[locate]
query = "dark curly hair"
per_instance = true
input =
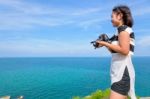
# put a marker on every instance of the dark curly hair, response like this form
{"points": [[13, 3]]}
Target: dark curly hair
{"points": [[125, 11]]}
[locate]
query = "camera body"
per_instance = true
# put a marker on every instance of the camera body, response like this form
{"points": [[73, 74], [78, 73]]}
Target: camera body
{"points": [[102, 37]]}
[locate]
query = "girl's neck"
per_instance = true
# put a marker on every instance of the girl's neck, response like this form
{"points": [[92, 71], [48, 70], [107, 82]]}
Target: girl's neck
{"points": [[119, 25]]}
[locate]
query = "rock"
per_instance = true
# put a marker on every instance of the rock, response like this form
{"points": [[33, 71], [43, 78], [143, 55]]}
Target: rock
{"points": [[20, 97], [145, 98], [5, 97]]}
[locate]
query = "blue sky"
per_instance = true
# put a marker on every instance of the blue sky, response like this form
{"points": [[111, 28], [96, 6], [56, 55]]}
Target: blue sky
{"points": [[52, 28]]}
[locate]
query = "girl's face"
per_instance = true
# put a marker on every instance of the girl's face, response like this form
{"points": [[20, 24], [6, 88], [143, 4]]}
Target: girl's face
{"points": [[116, 19]]}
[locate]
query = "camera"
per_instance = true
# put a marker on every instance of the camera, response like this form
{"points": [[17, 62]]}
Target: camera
{"points": [[102, 37]]}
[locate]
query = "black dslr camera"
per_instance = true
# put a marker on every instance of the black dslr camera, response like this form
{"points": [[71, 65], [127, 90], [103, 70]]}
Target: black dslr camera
{"points": [[102, 37]]}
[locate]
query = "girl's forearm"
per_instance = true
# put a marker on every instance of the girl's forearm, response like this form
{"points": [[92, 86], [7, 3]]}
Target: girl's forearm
{"points": [[117, 48]]}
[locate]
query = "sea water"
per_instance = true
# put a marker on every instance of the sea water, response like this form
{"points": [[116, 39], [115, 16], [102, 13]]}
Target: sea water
{"points": [[64, 77]]}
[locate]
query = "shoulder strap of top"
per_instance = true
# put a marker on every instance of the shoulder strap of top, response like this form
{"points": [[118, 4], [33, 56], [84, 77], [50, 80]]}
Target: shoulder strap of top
{"points": [[122, 28]]}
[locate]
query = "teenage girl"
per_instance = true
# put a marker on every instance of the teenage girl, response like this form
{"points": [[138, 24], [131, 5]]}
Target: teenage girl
{"points": [[122, 47]]}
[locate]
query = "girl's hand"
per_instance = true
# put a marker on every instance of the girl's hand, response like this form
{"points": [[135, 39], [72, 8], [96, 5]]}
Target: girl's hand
{"points": [[102, 43]]}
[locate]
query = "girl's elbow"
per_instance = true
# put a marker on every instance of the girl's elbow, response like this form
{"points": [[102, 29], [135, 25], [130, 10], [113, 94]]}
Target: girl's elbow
{"points": [[126, 52]]}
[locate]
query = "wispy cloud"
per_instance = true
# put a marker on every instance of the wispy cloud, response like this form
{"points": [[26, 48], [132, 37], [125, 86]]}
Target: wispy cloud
{"points": [[45, 47], [87, 11], [18, 14], [27, 16], [22, 14], [142, 10], [144, 41], [142, 46]]}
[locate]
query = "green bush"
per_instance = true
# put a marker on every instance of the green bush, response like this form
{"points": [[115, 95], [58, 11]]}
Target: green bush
{"points": [[98, 94], [76, 97]]}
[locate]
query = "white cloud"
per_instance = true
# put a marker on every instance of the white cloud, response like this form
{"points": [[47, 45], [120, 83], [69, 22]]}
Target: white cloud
{"points": [[32, 45], [26, 15], [93, 22], [143, 41], [46, 47], [23, 14], [144, 10], [140, 7], [86, 11], [142, 46]]}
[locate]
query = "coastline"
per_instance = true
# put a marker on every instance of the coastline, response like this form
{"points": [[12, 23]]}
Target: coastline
{"points": [[21, 97]]}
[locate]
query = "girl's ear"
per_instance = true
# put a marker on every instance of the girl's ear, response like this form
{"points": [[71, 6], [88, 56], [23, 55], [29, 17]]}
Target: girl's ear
{"points": [[120, 16]]}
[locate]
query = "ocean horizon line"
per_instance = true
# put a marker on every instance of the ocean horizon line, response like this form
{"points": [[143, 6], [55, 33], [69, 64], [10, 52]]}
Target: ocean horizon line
{"points": [[64, 56]]}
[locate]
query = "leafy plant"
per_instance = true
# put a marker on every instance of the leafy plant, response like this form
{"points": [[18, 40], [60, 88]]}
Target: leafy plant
{"points": [[98, 94]]}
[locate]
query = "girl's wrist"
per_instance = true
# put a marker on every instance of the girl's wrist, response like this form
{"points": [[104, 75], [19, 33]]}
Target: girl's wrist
{"points": [[107, 44]]}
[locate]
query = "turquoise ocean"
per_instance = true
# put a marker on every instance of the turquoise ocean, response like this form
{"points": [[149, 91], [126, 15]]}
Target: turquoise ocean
{"points": [[64, 77]]}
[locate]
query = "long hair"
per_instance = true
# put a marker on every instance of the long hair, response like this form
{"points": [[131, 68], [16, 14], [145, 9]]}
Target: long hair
{"points": [[125, 11]]}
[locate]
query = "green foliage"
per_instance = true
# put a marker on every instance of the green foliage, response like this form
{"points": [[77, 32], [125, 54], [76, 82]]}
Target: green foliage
{"points": [[76, 97], [98, 94], [138, 97]]}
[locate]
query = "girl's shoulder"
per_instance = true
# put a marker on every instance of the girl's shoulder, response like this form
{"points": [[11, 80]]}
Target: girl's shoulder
{"points": [[125, 28]]}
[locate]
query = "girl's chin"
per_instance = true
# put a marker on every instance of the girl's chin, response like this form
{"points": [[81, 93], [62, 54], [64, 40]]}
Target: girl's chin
{"points": [[114, 25]]}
